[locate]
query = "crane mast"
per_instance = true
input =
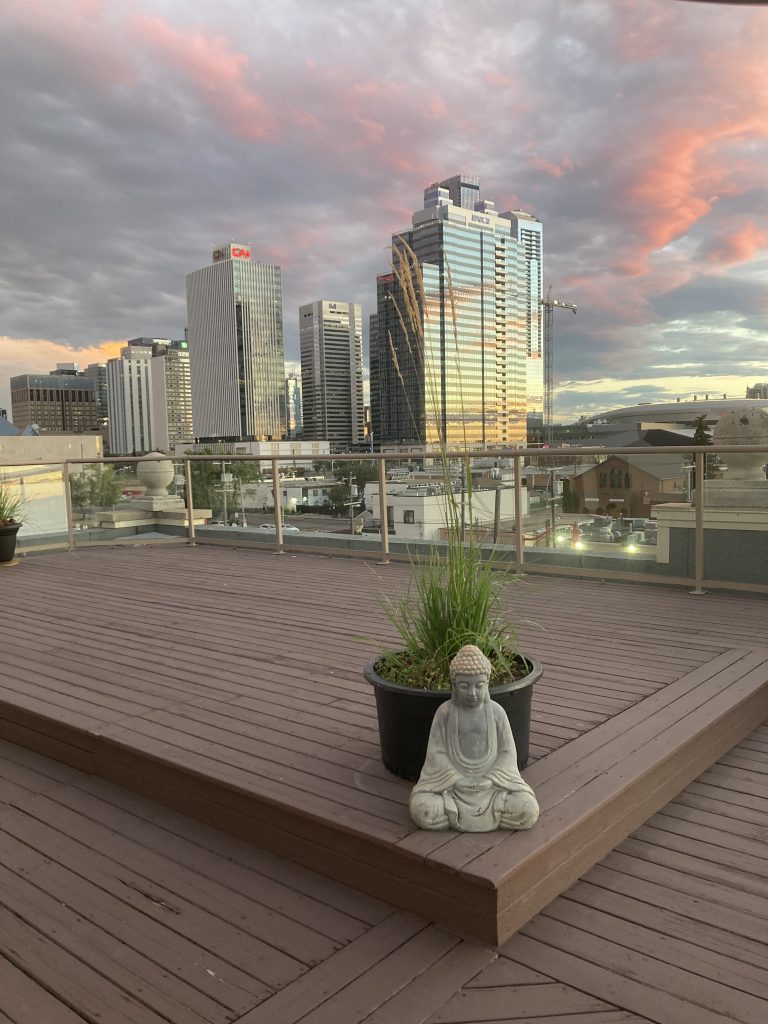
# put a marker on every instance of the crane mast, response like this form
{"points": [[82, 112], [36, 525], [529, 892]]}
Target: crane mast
{"points": [[550, 305]]}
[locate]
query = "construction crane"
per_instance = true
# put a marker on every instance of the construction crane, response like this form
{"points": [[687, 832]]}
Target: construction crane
{"points": [[550, 305]]}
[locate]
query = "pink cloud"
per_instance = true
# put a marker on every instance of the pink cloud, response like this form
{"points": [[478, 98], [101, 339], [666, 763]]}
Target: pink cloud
{"points": [[645, 30], [737, 246], [676, 186], [500, 81], [548, 167], [221, 76]]}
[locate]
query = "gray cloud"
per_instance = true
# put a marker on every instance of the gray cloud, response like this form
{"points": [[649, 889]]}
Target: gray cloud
{"points": [[137, 139]]}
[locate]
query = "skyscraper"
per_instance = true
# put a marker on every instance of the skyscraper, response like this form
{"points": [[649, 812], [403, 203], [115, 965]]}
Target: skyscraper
{"points": [[528, 231], [235, 333], [97, 372], [129, 399], [449, 341], [294, 422], [331, 341], [171, 393], [149, 396]]}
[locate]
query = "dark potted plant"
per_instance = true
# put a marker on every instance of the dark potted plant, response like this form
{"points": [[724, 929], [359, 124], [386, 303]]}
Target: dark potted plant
{"points": [[454, 598], [10, 521]]}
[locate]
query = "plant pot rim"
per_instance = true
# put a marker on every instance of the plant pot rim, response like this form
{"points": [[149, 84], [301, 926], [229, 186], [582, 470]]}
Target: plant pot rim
{"points": [[373, 677]]}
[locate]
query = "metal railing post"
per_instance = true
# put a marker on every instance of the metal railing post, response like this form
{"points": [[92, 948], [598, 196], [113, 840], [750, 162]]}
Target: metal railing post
{"points": [[384, 524], [519, 535], [278, 506], [68, 503], [699, 526], [190, 502]]}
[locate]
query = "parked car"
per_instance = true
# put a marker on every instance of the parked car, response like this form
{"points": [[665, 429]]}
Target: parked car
{"points": [[287, 527]]}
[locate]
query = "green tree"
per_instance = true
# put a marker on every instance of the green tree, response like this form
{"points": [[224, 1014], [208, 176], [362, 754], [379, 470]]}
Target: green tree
{"points": [[701, 432], [206, 481], [361, 472], [702, 435], [98, 486], [570, 498], [338, 496]]}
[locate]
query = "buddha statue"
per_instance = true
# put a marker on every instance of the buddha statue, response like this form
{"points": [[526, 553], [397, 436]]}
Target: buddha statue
{"points": [[470, 781]]}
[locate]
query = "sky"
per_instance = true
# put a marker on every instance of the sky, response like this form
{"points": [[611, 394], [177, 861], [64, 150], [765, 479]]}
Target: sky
{"points": [[137, 135]]}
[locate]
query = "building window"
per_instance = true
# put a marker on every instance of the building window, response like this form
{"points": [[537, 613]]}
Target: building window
{"points": [[627, 482], [603, 481], [616, 479], [408, 516]]}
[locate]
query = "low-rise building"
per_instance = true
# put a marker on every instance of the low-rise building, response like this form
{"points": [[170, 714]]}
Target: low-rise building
{"points": [[297, 492], [629, 485], [283, 450], [418, 511], [62, 400]]}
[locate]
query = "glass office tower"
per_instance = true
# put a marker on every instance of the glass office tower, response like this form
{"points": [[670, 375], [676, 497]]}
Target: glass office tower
{"points": [[450, 330], [528, 231], [331, 341], [235, 333]]}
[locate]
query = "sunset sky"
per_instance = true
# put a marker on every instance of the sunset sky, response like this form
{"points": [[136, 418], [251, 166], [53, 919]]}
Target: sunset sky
{"points": [[139, 134]]}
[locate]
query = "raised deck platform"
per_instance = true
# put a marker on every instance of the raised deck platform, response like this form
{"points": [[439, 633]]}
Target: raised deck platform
{"points": [[227, 685]]}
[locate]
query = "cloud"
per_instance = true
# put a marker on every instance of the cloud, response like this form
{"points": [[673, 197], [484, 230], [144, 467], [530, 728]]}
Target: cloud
{"points": [[136, 137], [737, 246], [222, 77], [41, 355], [579, 398]]}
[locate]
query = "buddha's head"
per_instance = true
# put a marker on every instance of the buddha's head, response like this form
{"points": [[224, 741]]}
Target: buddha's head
{"points": [[470, 673]]}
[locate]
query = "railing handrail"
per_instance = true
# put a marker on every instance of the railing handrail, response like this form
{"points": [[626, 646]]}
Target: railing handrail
{"points": [[515, 456], [500, 453]]}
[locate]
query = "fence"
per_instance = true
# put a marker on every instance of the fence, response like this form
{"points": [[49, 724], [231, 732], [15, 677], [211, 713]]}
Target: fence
{"points": [[607, 481]]}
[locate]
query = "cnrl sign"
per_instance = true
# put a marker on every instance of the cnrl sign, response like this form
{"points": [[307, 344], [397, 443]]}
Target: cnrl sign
{"points": [[234, 252]]}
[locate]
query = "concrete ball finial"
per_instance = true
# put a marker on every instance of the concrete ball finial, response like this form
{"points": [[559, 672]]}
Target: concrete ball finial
{"points": [[470, 661]]}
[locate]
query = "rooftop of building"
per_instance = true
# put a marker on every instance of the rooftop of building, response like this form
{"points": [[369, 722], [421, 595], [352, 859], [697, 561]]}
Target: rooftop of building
{"points": [[242, 705], [674, 412]]}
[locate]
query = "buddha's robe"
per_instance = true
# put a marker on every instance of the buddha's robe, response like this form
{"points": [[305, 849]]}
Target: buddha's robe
{"points": [[472, 794]]}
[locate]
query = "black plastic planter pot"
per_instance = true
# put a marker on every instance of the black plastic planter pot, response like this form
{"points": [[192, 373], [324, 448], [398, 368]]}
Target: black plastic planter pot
{"points": [[8, 541], [405, 718]]}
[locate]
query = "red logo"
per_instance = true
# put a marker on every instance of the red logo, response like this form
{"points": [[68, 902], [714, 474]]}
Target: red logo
{"points": [[239, 253]]}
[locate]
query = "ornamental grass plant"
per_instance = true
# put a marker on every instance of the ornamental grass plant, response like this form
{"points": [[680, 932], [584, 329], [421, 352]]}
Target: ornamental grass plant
{"points": [[10, 507], [454, 595]]}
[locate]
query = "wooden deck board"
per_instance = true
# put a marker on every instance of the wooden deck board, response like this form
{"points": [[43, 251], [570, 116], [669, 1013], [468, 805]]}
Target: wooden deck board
{"points": [[123, 918], [228, 684], [635, 941]]}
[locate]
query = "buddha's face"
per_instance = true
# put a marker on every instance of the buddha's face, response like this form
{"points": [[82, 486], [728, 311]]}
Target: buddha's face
{"points": [[469, 691]]}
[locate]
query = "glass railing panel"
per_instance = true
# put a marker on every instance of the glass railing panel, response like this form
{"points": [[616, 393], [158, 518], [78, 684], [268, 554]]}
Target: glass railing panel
{"points": [[42, 509], [735, 522], [599, 512], [105, 499], [626, 514]]}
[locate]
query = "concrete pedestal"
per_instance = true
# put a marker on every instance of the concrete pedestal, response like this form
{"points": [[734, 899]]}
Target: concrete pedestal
{"points": [[131, 515]]}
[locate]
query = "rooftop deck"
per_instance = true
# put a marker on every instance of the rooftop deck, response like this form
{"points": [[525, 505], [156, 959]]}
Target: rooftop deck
{"points": [[227, 684], [115, 909]]}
